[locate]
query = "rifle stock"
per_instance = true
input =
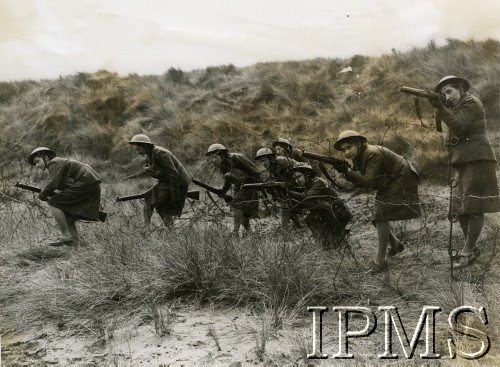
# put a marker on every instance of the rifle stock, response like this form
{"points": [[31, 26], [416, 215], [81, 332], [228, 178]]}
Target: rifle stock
{"points": [[227, 198], [102, 214]]}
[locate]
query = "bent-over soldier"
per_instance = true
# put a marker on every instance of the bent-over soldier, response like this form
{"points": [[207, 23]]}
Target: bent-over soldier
{"points": [[237, 170], [396, 181], [167, 196], [72, 192]]}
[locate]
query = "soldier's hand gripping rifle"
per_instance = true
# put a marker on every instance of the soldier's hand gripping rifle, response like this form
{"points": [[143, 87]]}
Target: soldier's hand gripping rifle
{"points": [[227, 198], [194, 194], [102, 215], [338, 164], [435, 99]]}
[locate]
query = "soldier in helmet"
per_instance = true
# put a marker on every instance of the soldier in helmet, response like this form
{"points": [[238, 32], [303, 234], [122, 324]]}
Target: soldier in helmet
{"points": [[472, 158], [73, 192], [327, 215], [283, 148], [394, 178], [237, 170], [167, 197], [280, 169]]}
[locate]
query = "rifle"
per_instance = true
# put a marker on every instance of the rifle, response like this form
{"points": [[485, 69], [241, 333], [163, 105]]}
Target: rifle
{"points": [[424, 93], [227, 198], [335, 162], [102, 215], [432, 96], [271, 185], [195, 195]]}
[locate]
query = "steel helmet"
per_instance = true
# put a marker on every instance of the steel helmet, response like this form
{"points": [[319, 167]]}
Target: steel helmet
{"points": [[263, 152], [50, 153], [140, 139], [281, 141], [214, 148], [451, 79], [303, 167], [345, 135]]}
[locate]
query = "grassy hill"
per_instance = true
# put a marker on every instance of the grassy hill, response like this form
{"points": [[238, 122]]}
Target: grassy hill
{"points": [[309, 102]]}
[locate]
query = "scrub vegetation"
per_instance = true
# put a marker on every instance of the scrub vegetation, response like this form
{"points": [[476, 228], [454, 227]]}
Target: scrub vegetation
{"points": [[124, 277]]}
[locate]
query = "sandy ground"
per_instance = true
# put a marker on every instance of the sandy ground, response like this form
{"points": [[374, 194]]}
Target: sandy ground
{"points": [[195, 336]]}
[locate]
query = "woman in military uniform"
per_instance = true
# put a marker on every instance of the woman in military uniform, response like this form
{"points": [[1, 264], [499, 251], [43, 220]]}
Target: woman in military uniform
{"points": [[237, 170], [394, 178], [472, 159], [280, 169], [73, 192], [327, 214], [167, 196]]}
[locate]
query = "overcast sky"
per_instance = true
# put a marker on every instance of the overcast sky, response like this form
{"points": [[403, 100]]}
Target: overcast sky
{"points": [[48, 38]]}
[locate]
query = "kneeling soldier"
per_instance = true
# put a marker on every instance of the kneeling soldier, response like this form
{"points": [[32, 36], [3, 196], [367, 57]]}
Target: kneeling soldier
{"points": [[167, 197], [327, 214]]}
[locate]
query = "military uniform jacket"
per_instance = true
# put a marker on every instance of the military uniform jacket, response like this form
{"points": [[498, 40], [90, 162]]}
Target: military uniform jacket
{"points": [[164, 166], [378, 167], [239, 170], [282, 169], [467, 124], [395, 180], [64, 173]]}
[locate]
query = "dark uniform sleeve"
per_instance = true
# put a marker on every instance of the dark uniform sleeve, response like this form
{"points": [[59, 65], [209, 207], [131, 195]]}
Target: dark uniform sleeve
{"points": [[459, 119], [315, 197], [372, 178], [242, 171], [55, 176], [164, 170]]}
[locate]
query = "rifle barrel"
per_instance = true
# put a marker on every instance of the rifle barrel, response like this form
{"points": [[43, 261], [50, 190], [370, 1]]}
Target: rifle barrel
{"points": [[263, 185], [322, 158], [27, 187], [130, 197], [425, 93]]}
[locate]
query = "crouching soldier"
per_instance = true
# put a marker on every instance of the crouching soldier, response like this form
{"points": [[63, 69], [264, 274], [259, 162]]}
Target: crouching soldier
{"points": [[280, 169], [73, 192], [327, 215], [396, 183], [167, 197], [237, 170]]}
